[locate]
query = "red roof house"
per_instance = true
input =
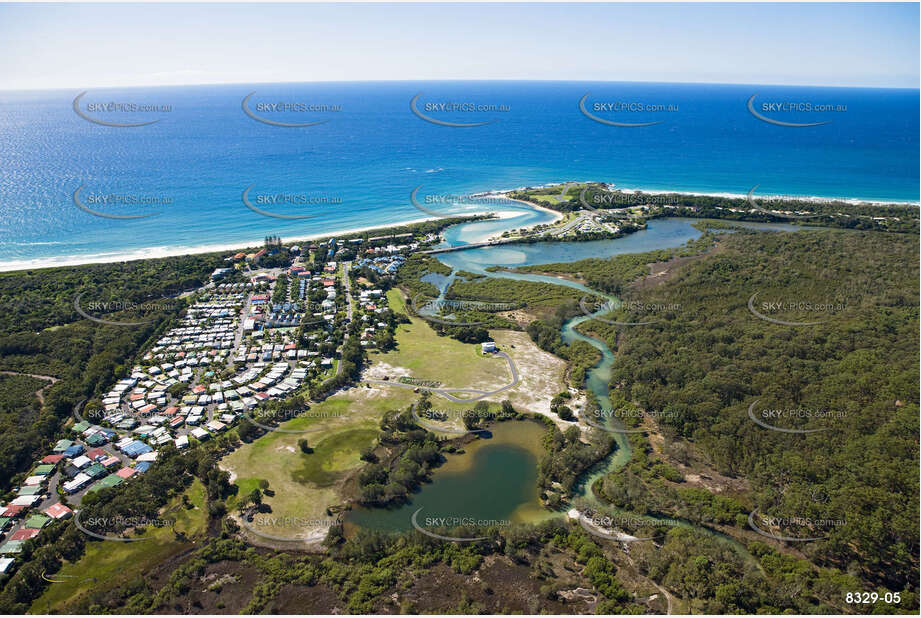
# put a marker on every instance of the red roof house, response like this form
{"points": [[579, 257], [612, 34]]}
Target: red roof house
{"points": [[11, 510], [24, 534], [58, 511]]}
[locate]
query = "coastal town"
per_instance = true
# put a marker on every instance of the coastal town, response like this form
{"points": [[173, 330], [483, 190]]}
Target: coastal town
{"points": [[268, 326], [251, 336]]}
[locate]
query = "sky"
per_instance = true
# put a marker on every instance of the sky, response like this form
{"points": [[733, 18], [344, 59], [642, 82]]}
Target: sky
{"points": [[46, 46]]}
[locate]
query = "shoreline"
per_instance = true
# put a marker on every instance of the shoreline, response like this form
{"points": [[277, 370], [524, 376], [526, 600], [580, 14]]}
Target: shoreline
{"points": [[151, 253], [157, 252], [557, 214], [818, 199]]}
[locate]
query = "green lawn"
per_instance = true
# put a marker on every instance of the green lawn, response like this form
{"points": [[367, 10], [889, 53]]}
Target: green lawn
{"points": [[107, 564], [430, 357], [304, 484]]}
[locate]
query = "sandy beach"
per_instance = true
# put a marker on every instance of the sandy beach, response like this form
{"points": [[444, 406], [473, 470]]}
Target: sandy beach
{"points": [[161, 252], [171, 251]]}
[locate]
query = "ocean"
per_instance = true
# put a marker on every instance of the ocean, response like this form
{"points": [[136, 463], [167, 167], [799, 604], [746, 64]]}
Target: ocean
{"points": [[366, 150]]}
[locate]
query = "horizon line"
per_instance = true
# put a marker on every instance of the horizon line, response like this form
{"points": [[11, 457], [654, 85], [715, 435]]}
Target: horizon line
{"points": [[469, 80]]}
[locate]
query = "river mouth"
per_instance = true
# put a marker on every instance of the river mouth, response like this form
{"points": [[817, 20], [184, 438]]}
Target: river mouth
{"points": [[494, 480]]}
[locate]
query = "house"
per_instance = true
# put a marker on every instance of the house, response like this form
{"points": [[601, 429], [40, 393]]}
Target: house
{"points": [[488, 347], [62, 445], [97, 454], [81, 462], [151, 456], [77, 483], [135, 449], [110, 481], [30, 490], [11, 510], [37, 521], [97, 439], [43, 470], [80, 427], [58, 511], [126, 473], [74, 450], [95, 470], [24, 534]]}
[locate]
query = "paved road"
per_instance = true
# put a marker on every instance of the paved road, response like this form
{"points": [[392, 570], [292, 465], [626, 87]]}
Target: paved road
{"points": [[347, 282], [446, 392], [346, 266]]}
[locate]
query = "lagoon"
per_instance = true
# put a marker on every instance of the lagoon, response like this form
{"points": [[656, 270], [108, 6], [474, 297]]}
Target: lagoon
{"points": [[494, 479]]}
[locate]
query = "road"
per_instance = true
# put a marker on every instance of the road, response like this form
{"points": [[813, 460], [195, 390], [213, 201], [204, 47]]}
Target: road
{"points": [[347, 283], [40, 392], [446, 392]]}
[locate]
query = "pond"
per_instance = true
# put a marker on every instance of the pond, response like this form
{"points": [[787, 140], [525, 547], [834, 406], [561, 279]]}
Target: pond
{"points": [[494, 479]]}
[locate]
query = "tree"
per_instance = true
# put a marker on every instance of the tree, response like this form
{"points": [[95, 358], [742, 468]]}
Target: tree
{"points": [[246, 430]]}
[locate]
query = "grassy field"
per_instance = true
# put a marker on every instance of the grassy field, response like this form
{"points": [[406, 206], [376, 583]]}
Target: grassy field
{"points": [[107, 564], [425, 355], [303, 485], [551, 195]]}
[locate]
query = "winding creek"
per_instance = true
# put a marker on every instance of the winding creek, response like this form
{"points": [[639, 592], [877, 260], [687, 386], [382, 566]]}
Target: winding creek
{"points": [[505, 450]]}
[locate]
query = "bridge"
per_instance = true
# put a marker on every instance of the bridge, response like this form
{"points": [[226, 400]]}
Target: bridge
{"points": [[475, 245]]}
